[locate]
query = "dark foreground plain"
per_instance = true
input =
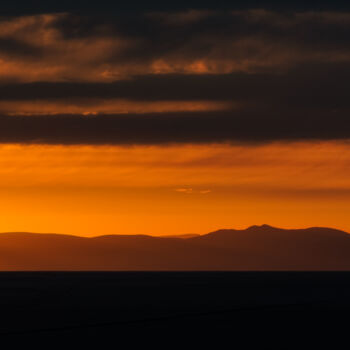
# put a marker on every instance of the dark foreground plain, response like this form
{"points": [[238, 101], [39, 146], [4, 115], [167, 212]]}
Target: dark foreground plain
{"points": [[110, 305]]}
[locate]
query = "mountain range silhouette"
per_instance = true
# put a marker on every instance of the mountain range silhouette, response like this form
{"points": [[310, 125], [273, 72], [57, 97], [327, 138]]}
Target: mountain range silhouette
{"points": [[256, 248]]}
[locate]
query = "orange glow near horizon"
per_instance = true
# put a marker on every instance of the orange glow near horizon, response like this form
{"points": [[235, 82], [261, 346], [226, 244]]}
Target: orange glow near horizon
{"points": [[175, 189], [101, 106]]}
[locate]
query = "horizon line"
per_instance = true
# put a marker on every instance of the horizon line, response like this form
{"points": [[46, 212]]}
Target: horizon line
{"points": [[179, 235]]}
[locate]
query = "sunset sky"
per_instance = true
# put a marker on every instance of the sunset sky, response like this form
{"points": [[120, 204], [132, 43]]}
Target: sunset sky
{"points": [[145, 119]]}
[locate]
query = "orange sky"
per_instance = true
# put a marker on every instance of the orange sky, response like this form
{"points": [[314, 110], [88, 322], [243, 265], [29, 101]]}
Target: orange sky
{"points": [[94, 190], [248, 77]]}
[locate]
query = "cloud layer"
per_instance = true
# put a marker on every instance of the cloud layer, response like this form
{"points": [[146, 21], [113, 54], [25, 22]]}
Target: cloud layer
{"points": [[64, 47], [194, 76]]}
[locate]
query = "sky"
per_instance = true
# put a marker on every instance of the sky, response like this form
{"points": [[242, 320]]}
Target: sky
{"points": [[178, 118]]}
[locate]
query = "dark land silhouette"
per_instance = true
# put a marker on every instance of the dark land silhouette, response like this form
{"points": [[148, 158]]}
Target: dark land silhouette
{"points": [[258, 248], [107, 306]]}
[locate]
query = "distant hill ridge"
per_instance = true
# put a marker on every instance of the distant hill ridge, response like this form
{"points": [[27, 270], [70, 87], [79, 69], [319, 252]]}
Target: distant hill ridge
{"points": [[255, 248]]}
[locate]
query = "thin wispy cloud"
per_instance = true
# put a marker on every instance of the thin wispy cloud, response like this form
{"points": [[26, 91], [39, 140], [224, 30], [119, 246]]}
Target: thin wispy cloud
{"points": [[192, 191]]}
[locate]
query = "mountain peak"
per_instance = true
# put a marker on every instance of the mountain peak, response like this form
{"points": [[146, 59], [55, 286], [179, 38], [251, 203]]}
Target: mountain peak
{"points": [[261, 227]]}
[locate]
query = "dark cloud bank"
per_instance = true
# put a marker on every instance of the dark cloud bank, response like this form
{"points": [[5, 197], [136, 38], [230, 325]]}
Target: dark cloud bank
{"points": [[110, 6], [288, 73], [172, 128]]}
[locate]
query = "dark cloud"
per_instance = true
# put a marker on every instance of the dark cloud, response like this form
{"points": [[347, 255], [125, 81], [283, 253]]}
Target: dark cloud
{"points": [[184, 127], [14, 48], [286, 74], [19, 7], [310, 86], [98, 48], [238, 36]]}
